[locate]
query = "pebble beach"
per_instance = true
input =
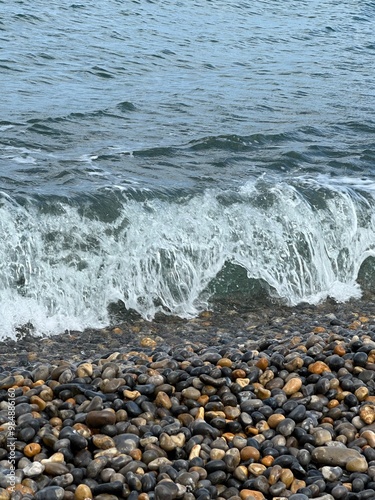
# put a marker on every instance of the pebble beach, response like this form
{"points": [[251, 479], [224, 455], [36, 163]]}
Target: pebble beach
{"points": [[236, 404]]}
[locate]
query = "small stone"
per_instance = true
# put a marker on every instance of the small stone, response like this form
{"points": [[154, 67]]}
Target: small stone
{"points": [[36, 400], [158, 462], [362, 393], [148, 342], [32, 449], [287, 477], [367, 414], [292, 386], [232, 459], [331, 473], [55, 468], [108, 386], [50, 493], [322, 436], [34, 469], [286, 427], [246, 494], [257, 469], [84, 370], [274, 420], [241, 473], [163, 400], [318, 367], [191, 393], [96, 466], [169, 443], [250, 452], [275, 474], [83, 492], [225, 362], [357, 464], [166, 490], [95, 419], [369, 436], [102, 441]]}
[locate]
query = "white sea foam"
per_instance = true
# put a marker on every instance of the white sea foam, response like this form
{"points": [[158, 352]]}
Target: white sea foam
{"points": [[60, 271]]}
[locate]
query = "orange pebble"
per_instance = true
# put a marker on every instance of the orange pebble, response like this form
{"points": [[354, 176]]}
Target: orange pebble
{"points": [[249, 452], [339, 350], [36, 400], [319, 329], [250, 494], [267, 460], [238, 373], [136, 454], [262, 363], [32, 449], [318, 368], [224, 362]]}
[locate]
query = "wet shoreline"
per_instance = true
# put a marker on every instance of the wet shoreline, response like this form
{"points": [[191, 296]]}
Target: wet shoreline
{"points": [[234, 325]]}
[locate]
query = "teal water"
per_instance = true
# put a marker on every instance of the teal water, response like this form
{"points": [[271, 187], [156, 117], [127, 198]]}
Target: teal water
{"points": [[161, 155]]}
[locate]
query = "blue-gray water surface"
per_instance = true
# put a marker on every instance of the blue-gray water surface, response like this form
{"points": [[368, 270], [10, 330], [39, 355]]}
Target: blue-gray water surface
{"points": [[161, 155]]}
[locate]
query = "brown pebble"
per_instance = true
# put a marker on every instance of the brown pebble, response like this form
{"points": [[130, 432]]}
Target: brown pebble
{"points": [[275, 474], [36, 400], [83, 430], [241, 473], [296, 485], [84, 370], [102, 441], [249, 494], [362, 393], [260, 391], [242, 382], [238, 373], [225, 362], [148, 342], [262, 363], [250, 452], [318, 367], [369, 436], [292, 386], [319, 329], [267, 460], [132, 395], [367, 414], [83, 492], [97, 419], [339, 349], [136, 454], [32, 449], [287, 477], [163, 400], [274, 420]]}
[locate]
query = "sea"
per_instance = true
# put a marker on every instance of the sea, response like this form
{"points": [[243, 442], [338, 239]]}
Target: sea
{"points": [[161, 157]]}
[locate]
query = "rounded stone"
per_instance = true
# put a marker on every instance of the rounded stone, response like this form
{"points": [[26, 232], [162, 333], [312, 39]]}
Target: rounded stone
{"points": [[95, 419], [83, 492], [286, 427], [332, 473], [50, 493], [250, 452], [166, 490], [34, 469], [292, 386]]}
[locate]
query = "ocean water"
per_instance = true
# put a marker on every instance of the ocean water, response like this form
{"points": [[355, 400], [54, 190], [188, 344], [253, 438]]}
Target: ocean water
{"points": [[159, 156]]}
